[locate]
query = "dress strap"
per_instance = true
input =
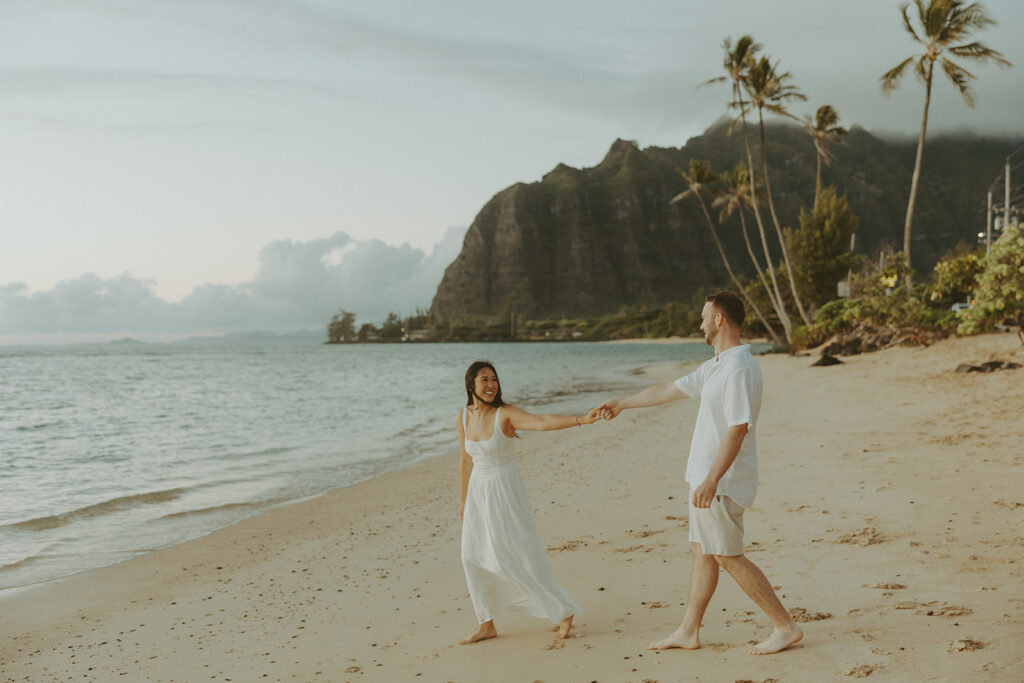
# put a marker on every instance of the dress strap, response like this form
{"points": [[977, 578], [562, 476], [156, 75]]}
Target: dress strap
{"points": [[497, 422]]}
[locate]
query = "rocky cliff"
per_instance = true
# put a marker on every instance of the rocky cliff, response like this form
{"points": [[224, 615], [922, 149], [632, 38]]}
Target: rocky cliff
{"points": [[586, 241]]}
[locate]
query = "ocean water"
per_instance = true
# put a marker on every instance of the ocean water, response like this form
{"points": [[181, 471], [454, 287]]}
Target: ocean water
{"points": [[108, 451]]}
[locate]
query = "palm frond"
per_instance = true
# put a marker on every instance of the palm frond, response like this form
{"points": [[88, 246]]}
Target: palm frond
{"points": [[680, 197], [979, 52], [825, 117], [891, 78], [961, 78], [779, 110], [972, 16], [907, 25], [933, 18]]}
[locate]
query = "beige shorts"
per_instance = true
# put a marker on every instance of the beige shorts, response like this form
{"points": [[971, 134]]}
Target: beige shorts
{"points": [[719, 528]]}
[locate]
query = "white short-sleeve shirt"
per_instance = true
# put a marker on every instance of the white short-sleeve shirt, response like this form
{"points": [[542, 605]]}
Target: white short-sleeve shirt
{"points": [[729, 388]]}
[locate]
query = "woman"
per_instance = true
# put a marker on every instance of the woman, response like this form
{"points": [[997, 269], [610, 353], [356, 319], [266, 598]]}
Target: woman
{"points": [[504, 559]]}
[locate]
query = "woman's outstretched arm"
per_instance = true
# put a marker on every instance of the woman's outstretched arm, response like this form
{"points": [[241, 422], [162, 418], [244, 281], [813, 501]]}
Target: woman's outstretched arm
{"points": [[518, 419]]}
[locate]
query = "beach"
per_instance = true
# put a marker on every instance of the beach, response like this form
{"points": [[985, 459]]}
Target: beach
{"points": [[888, 518]]}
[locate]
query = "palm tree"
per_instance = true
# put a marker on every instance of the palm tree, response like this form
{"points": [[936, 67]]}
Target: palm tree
{"points": [[942, 23], [737, 63], [697, 181], [769, 90], [736, 199], [824, 129]]}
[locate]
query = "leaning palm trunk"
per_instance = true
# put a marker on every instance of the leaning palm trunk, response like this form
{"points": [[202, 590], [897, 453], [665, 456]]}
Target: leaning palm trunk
{"points": [[817, 181], [778, 228], [736, 281], [787, 324], [776, 304], [908, 282]]}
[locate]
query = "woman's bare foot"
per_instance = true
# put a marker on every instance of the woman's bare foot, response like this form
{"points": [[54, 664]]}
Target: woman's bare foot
{"points": [[679, 638], [485, 632], [779, 640], [564, 628]]}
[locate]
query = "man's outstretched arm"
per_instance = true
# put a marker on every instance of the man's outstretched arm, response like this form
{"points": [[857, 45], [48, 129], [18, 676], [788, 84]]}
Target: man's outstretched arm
{"points": [[654, 395]]}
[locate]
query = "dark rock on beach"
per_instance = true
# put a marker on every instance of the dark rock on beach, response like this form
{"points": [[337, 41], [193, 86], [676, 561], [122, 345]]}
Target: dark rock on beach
{"points": [[988, 366]]}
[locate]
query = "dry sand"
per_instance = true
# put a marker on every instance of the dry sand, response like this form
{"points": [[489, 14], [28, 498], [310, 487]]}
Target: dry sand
{"points": [[889, 518]]}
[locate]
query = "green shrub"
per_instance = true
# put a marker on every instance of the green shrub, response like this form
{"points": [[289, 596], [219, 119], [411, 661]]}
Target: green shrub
{"points": [[1000, 292]]}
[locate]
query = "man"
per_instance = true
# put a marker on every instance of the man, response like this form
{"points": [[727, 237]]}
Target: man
{"points": [[721, 472]]}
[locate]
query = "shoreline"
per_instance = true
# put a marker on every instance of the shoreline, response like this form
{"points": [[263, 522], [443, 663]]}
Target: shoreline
{"points": [[364, 582], [44, 539], [678, 340]]}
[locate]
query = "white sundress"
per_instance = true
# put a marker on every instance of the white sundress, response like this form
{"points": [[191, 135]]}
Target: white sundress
{"points": [[502, 554]]}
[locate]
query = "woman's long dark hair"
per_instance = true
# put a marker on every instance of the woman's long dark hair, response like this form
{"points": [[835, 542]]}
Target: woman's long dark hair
{"points": [[471, 373]]}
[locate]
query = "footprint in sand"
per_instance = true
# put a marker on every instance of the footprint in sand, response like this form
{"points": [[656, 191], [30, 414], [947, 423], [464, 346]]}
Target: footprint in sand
{"points": [[966, 645], [800, 615], [863, 671], [632, 549], [643, 534], [935, 609], [862, 537], [568, 545], [887, 586]]}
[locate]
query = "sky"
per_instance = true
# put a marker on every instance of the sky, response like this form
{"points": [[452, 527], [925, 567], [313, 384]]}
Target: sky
{"points": [[191, 166]]}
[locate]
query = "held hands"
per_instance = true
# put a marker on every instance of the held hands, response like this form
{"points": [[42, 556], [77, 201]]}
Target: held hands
{"points": [[590, 418], [609, 410]]}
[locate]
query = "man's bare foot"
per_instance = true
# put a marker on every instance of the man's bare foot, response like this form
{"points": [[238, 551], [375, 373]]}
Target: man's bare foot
{"points": [[563, 628], [779, 640], [679, 638], [485, 632]]}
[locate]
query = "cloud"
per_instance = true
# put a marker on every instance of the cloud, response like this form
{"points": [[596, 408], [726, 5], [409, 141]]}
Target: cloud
{"points": [[297, 285]]}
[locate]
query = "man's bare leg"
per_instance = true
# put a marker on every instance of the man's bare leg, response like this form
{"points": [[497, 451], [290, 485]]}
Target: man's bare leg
{"points": [[485, 631], [563, 628], [755, 584], [703, 582]]}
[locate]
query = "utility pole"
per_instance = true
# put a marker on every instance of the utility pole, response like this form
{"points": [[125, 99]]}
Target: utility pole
{"points": [[988, 225], [1006, 202]]}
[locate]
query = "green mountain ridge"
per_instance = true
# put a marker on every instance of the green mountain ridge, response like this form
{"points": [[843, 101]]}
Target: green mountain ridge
{"points": [[587, 241]]}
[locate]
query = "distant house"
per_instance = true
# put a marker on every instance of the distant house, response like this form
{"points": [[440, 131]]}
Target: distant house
{"points": [[417, 335]]}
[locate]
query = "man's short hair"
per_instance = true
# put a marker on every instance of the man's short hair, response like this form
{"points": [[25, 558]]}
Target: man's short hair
{"points": [[730, 305]]}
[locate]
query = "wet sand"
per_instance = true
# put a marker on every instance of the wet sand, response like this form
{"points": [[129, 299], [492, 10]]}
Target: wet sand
{"points": [[888, 517]]}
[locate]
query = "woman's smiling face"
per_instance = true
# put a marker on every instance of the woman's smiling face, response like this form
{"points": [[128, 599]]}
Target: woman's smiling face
{"points": [[485, 386]]}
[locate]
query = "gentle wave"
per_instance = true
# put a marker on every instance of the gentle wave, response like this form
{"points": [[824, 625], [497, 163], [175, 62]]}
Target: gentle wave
{"points": [[20, 563], [98, 509], [32, 428], [217, 508]]}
